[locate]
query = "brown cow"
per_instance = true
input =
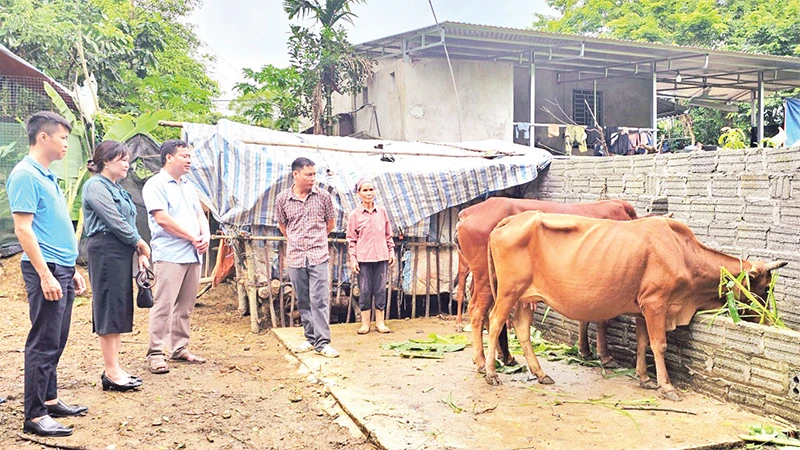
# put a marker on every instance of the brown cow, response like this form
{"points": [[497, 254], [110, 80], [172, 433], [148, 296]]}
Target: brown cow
{"points": [[473, 228], [594, 269]]}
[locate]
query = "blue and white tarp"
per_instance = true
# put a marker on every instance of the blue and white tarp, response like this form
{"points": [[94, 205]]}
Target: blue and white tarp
{"points": [[792, 122], [239, 171]]}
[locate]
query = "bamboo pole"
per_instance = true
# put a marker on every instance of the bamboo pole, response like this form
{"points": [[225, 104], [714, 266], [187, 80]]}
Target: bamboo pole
{"points": [[377, 151]]}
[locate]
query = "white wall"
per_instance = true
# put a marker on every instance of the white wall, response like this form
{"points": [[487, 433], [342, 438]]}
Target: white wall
{"points": [[415, 101]]}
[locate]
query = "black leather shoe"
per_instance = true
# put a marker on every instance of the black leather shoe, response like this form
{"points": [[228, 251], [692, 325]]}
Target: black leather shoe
{"points": [[110, 385], [46, 427], [62, 409]]}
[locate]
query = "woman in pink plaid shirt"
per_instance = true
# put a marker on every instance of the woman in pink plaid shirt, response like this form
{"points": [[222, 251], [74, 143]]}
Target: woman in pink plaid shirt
{"points": [[371, 250]]}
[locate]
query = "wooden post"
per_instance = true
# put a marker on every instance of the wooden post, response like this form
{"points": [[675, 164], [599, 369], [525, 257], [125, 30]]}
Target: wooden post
{"points": [[340, 275], [450, 271], [241, 277], [401, 296], [252, 293], [281, 301], [414, 283], [439, 280], [427, 283]]}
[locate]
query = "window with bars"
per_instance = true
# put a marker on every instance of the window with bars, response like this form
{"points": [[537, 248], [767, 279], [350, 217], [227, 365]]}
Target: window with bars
{"points": [[580, 113]]}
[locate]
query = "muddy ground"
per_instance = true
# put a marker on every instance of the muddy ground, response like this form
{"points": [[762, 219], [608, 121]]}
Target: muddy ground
{"points": [[252, 394]]}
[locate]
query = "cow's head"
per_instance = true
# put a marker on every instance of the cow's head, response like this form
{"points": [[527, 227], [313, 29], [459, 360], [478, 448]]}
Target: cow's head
{"points": [[760, 274]]}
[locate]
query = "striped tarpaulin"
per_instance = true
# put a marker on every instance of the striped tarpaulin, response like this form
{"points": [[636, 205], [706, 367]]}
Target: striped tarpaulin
{"points": [[239, 171]]}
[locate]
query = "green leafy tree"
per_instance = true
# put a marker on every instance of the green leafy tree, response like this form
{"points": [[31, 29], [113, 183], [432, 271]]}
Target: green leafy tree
{"points": [[270, 97], [761, 26], [323, 58], [142, 54]]}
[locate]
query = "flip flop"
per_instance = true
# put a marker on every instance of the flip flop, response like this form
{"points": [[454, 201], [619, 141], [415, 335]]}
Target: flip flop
{"points": [[188, 358], [157, 364]]}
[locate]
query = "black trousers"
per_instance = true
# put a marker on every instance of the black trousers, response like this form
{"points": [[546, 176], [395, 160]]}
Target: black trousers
{"points": [[50, 321]]}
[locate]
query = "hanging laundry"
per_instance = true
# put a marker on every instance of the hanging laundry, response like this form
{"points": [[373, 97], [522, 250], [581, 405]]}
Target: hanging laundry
{"points": [[553, 130], [792, 106], [575, 134], [523, 129]]}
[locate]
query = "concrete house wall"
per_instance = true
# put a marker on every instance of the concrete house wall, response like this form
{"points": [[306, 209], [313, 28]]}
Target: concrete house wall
{"points": [[415, 101]]}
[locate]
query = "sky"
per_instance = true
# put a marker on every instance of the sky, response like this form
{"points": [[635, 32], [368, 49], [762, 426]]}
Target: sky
{"points": [[253, 33]]}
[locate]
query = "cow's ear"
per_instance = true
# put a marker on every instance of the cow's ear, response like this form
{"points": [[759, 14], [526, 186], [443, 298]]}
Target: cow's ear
{"points": [[756, 270]]}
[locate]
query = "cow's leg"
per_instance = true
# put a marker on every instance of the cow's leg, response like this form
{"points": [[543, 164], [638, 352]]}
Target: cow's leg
{"points": [[656, 328], [583, 341], [642, 341], [460, 291], [523, 317], [479, 305], [497, 318], [504, 354], [602, 346]]}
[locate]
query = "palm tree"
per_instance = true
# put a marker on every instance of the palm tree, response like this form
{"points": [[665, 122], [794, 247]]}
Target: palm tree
{"points": [[336, 68]]}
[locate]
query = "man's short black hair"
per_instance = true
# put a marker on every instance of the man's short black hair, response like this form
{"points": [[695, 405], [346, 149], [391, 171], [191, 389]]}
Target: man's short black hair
{"points": [[46, 121], [170, 147], [300, 163]]}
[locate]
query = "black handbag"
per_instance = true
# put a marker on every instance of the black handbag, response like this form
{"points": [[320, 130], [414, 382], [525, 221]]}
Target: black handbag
{"points": [[145, 279]]}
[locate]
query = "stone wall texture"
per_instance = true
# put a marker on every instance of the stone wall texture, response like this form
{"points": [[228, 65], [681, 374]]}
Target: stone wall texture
{"points": [[742, 202]]}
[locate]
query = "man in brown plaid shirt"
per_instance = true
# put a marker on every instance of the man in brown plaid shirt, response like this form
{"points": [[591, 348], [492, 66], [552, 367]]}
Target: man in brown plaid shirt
{"points": [[305, 216]]}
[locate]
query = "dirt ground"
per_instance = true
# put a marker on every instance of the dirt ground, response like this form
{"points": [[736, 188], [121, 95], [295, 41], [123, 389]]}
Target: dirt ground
{"points": [[252, 394]]}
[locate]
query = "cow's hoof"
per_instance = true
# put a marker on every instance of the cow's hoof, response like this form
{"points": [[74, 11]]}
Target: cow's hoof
{"points": [[649, 384], [511, 362], [671, 395], [481, 369], [546, 380], [586, 356], [610, 364], [459, 328], [493, 380]]}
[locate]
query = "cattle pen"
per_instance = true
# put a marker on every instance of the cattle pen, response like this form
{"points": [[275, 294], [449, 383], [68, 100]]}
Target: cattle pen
{"points": [[422, 282]]}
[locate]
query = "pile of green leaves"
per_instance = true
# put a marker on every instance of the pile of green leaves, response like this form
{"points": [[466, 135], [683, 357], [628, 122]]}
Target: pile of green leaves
{"points": [[741, 303], [567, 354], [434, 347], [766, 434]]}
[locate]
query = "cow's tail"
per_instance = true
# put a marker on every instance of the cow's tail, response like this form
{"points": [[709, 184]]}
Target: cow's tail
{"points": [[492, 272]]}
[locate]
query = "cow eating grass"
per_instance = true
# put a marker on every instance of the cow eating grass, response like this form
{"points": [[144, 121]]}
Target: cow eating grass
{"points": [[474, 226], [652, 268]]}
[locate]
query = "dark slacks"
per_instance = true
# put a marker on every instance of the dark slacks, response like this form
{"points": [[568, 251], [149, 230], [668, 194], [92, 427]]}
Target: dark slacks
{"points": [[372, 284], [50, 321], [313, 300]]}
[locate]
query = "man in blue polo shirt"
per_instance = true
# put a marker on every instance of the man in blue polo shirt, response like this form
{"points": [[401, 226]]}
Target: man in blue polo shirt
{"points": [[180, 236], [44, 229]]}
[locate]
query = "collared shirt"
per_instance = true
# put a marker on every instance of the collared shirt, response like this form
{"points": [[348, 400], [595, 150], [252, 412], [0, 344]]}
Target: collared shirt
{"points": [[34, 190], [369, 234], [179, 200], [306, 226], [107, 207]]}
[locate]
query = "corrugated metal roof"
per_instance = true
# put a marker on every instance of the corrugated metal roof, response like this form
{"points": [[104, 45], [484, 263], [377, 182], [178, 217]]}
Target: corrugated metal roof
{"points": [[717, 74]]}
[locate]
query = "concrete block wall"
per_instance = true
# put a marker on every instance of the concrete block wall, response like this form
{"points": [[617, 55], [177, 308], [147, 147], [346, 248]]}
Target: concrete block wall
{"points": [[742, 202]]}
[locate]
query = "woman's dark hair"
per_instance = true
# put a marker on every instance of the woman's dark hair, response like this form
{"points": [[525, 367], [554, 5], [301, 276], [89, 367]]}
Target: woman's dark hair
{"points": [[105, 152], [170, 147]]}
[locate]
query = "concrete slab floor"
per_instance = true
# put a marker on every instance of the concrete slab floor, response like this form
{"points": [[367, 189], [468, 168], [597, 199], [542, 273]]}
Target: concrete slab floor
{"points": [[403, 403]]}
